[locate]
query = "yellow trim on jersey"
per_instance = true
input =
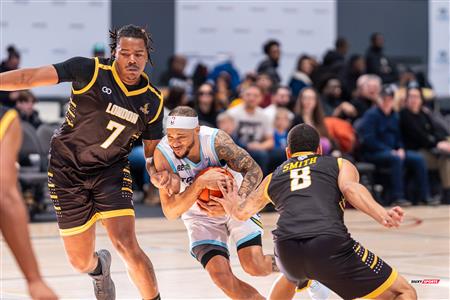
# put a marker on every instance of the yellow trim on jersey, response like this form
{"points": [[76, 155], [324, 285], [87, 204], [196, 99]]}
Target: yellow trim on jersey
{"points": [[122, 85], [70, 112], [357, 248], [95, 218], [91, 83], [302, 153], [375, 260], [257, 222], [6, 120], [159, 109], [53, 197], [51, 185], [366, 252], [297, 290], [127, 179], [126, 171], [383, 287], [50, 174], [339, 162], [57, 207], [266, 188], [127, 189], [73, 103]]}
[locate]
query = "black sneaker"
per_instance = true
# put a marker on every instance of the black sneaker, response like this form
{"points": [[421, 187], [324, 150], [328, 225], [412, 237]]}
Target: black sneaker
{"points": [[103, 285]]}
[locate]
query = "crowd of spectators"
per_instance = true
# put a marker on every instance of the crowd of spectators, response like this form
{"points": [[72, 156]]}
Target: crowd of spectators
{"points": [[365, 108]]}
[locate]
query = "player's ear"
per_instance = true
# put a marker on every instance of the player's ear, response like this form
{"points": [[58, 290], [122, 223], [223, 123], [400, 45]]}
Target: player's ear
{"points": [[319, 150], [288, 152], [197, 130]]}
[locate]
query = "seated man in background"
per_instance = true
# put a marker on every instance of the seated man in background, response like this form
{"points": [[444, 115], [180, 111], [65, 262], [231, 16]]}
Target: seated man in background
{"points": [[25, 102], [379, 132], [13, 216], [420, 133], [368, 89], [253, 128]]}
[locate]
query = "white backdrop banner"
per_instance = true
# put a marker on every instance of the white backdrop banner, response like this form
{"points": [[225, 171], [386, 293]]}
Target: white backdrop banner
{"points": [[47, 32], [206, 30], [439, 46]]}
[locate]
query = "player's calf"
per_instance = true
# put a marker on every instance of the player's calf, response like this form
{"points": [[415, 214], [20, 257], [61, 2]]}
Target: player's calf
{"points": [[254, 262], [399, 290]]}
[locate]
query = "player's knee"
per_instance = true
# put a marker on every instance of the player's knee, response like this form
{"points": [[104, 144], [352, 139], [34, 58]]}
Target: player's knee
{"points": [[126, 244], [81, 264]]}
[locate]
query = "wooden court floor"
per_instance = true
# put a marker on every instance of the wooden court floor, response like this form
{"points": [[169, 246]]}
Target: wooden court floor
{"points": [[419, 250]]}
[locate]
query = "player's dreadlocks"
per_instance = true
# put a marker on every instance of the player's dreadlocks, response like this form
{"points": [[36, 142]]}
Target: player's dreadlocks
{"points": [[132, 31]]}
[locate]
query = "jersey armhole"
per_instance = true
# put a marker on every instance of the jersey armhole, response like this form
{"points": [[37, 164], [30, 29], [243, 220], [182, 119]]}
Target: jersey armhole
{"points": [[339, 163], [91, 83], [166, 155], [161, 101], [266, 188], [6, 121]]}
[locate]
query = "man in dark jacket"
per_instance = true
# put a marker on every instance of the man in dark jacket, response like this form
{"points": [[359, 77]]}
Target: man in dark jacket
{"points": [[382, 145], [377, 62]]}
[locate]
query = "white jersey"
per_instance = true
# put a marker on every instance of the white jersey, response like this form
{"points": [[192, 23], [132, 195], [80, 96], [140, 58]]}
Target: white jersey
{"points": [[188, 170]]}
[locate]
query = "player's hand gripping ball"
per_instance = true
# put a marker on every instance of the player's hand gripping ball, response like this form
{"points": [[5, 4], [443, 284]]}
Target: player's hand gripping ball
{"points": [[206, 193]]}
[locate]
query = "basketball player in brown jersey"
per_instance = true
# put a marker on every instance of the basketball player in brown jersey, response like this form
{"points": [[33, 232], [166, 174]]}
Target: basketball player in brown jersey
{"points": [[112, 104], [311, 240], [13, 215]]}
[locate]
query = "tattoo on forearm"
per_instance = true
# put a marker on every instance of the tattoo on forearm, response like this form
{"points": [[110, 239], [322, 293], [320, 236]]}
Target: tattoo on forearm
{"points": [[240, 161]]}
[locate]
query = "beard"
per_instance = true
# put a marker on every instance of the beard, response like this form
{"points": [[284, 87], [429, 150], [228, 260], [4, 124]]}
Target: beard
{"points": [[186, 153]]}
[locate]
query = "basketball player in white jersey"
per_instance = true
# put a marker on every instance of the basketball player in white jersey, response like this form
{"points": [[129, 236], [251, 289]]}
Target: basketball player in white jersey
{"points": [[186, 150]]}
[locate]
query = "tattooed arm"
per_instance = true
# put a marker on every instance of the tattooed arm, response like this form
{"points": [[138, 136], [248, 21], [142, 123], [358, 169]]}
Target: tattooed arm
{"points": [[239, 207], [240, 161]]}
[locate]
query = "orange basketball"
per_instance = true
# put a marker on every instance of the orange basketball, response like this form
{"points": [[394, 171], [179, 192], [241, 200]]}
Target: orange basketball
{"points": [[206, 193]]}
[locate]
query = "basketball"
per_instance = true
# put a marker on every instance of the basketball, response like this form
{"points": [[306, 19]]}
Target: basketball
{"points": [[206, 193]]}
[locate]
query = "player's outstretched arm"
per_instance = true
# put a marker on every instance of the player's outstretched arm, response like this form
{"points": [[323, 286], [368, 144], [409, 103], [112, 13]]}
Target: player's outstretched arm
{"points": [[240, 161], [239, 207], [173, 203], [28, 78], [360, 197], [13, 215]]}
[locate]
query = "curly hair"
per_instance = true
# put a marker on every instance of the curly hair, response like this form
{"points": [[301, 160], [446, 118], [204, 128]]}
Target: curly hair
{"points": [[132, 31]]}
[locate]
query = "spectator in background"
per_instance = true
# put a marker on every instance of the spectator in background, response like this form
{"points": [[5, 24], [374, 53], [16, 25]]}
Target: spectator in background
{"points": [[225, 65], [270, 64], [25, 102], [12, 62], [308, 109], [377, 62], [333, 104], [253, 129], [355, 67], [205, 105], [175, 76], [226, 122], [224, 93], [266, 84], [282, 124], [381, 142], [280, 99], [249, 79], [336, 56], [98, 50], [302, 75], [367, 93], [199, 76], [420, 133]]}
